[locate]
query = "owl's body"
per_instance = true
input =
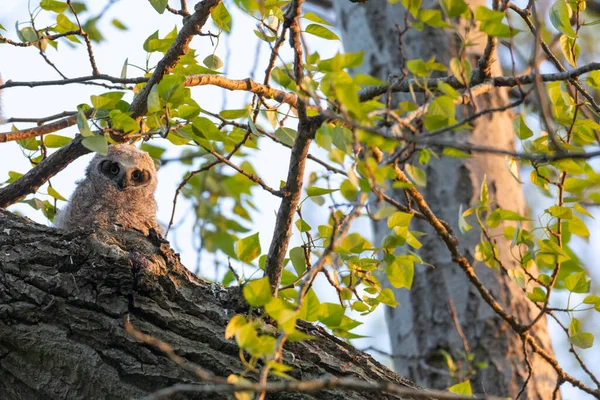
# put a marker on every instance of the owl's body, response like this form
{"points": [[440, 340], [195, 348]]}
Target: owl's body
{"points": [[118, 190]]}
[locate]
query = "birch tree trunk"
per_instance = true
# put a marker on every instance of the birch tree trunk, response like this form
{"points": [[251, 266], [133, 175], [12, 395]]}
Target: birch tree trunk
{"points": [[421, 327]]}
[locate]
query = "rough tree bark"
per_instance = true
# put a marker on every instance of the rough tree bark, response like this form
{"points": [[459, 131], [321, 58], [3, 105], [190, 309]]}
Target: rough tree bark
{"points": [[421, 325], [63, 297]]}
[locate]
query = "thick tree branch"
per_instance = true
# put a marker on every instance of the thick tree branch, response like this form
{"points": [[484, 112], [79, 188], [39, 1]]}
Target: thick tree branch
{"points": [[62, 301]]}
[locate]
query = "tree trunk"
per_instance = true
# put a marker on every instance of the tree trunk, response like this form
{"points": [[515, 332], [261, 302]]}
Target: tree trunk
{"points": [[421, 327], [63, 297]]}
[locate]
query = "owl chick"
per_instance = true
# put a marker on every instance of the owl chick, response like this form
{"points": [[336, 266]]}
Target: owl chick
{"points": [[118, 190]]}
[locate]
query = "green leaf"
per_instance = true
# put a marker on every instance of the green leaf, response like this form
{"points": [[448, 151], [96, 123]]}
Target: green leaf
{"points": [[29, 143], [55, 141], [560, 16], [52, 192], [122, 121], [286, 135], [560, 212], [583, 340], [570, 50], [221, 17], [106, 101], [248, 249], [119, 25], [416, 174], [159, 5], [236, 323], [433, 18], [52, 5], [450, 152], [315, 18], [463, 225], [310, 308], [317, 191], [463, 388], [387, 297], [234, 114], [321, 32], [331, 314], [401, 272], [258, 293], [498, 215], [298, 258], [348, 190], [97, 143], [537, 295], [461, 69], [213, 62], [454, 8], [521, 128], [154, 100], [412, 6], [578, 283], [303, 226], [82, 124]]}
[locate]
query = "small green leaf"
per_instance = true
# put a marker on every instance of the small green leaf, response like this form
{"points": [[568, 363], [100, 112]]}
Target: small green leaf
{"points": [[321, 32], [570, 50], [315, 18], [55, 141], [537, 295], [317, 191], [52, 192], [119, 25], [521, 128], [418, 176], [298, 258], [463, 388], [213, 62], [560, 16], [236, 323], [578, 283], [331, 314], [97, 143], [258, 293], [154, 100], [234, 114], [401, 272], [583, 340], [159, 5], [221, 17], [248, 249]]}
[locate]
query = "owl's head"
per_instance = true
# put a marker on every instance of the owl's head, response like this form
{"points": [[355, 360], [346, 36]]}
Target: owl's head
{"points": [[126, 167]]}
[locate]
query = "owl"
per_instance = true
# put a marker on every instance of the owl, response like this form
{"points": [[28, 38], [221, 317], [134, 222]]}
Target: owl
{"points": [[118, 190]]}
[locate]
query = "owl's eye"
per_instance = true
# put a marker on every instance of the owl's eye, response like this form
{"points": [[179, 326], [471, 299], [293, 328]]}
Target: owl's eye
{"points": [[137, 175], [114, 169], [110, 169]]}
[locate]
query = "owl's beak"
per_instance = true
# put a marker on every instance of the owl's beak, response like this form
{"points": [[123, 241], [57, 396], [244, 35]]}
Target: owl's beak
{"points": [[121, 183]]}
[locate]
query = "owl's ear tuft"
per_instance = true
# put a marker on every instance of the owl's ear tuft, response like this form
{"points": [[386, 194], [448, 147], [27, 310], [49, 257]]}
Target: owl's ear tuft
{"points": [[157, 164]]}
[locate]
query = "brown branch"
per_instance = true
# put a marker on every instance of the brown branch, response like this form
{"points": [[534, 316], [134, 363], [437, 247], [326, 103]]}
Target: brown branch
{"points": [[42, 120], [417, 85], [247, 174], [36, 42], [315, 386], [247, 85], [293, 188], [193, 25], [36, 177], [39, 130]]}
